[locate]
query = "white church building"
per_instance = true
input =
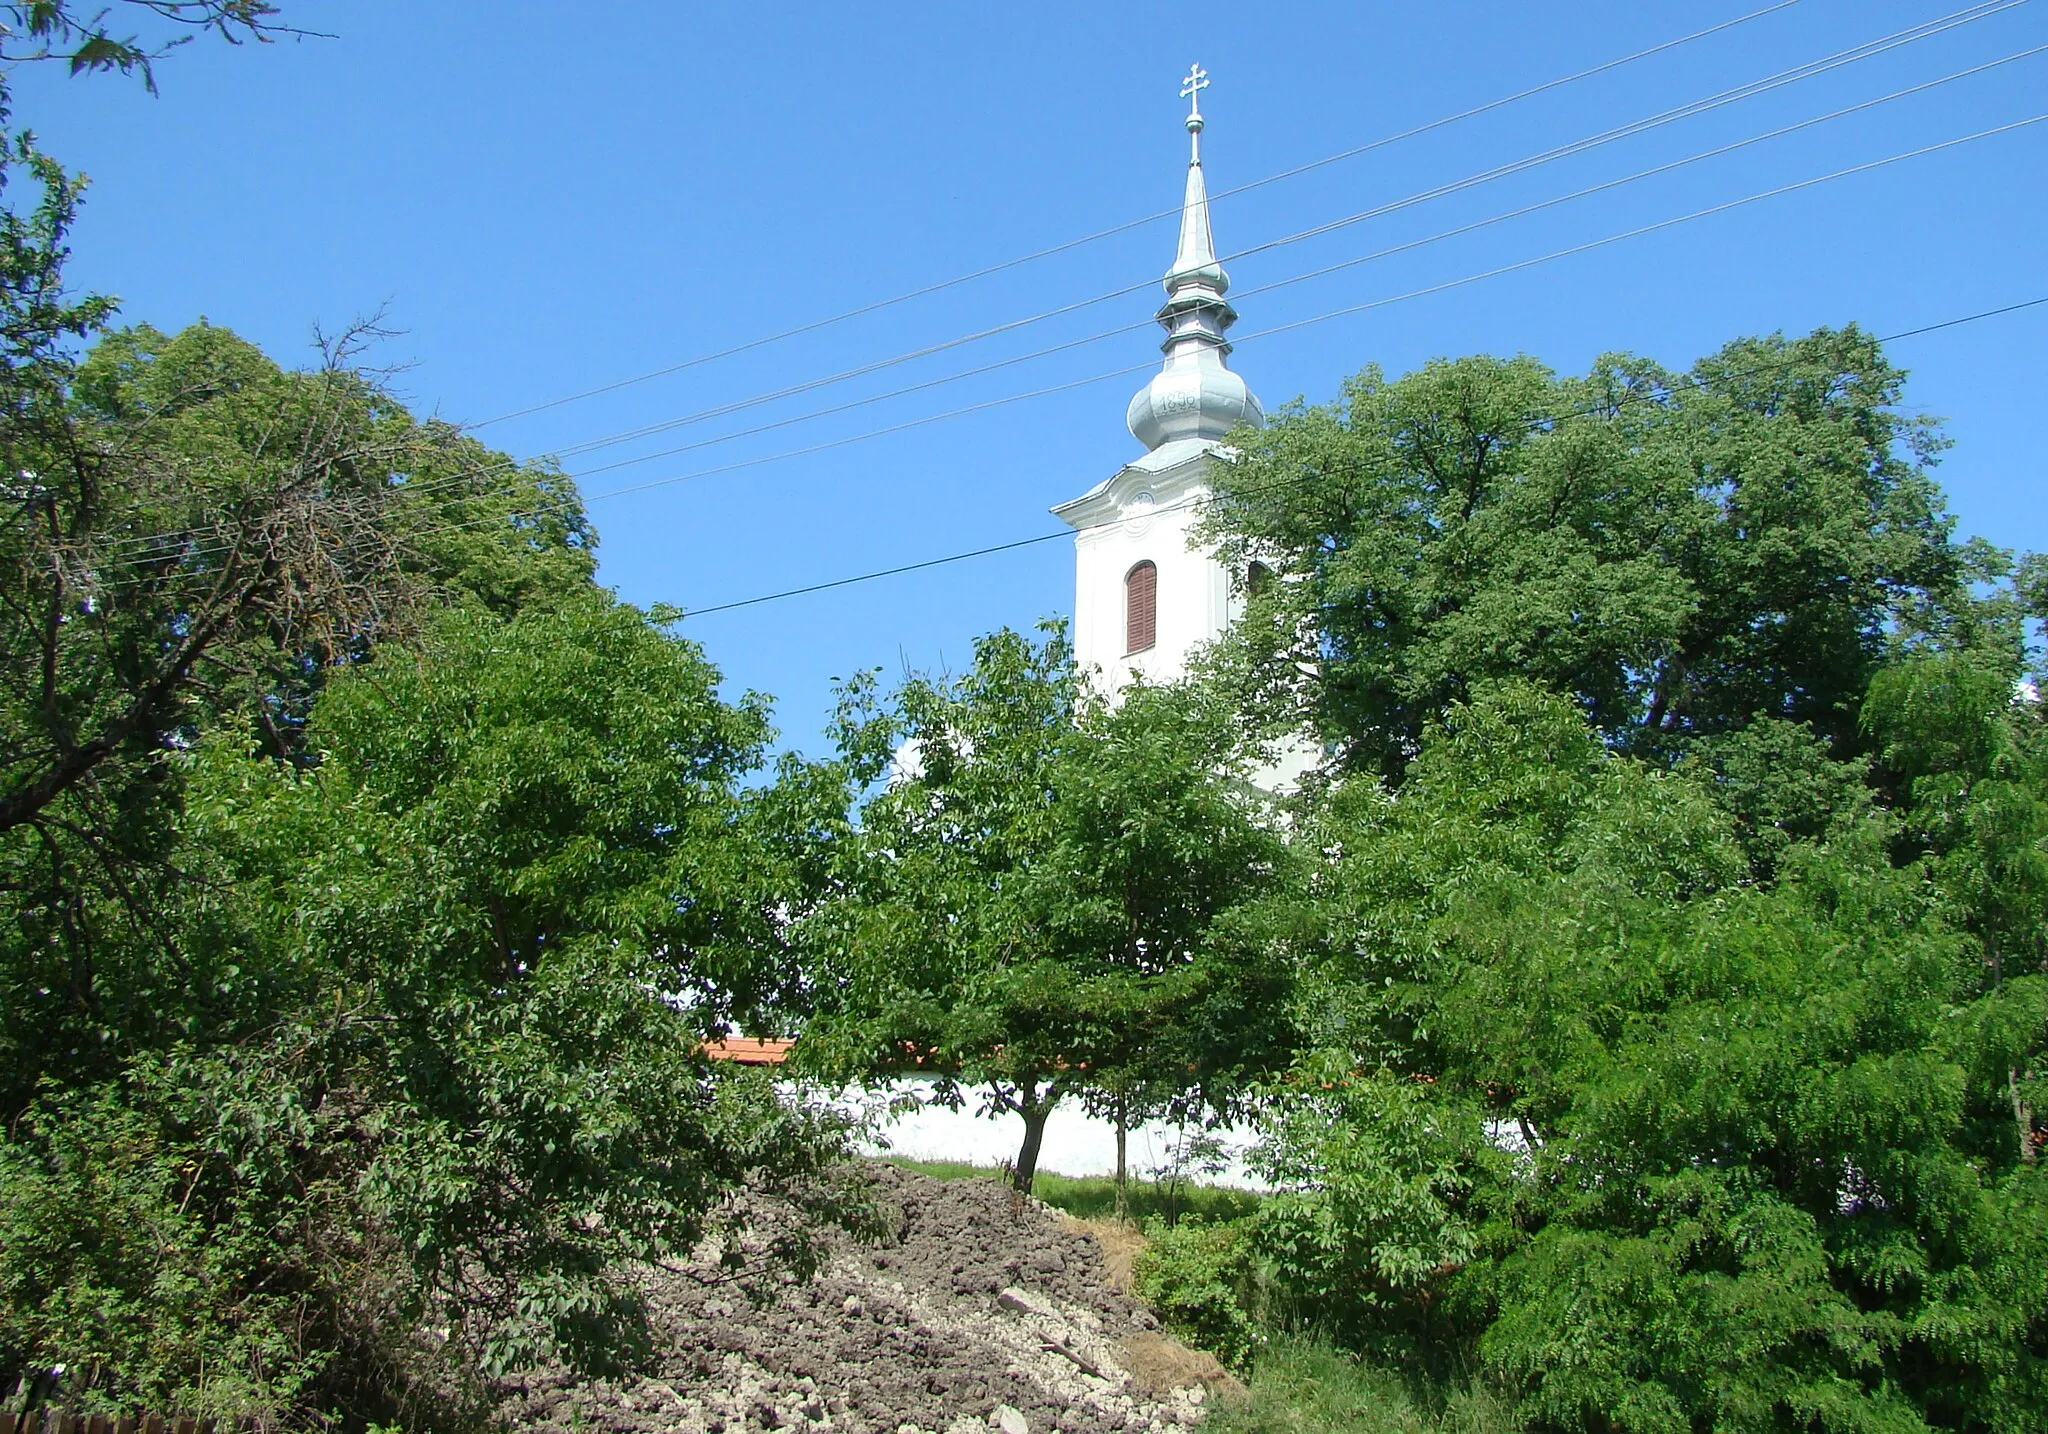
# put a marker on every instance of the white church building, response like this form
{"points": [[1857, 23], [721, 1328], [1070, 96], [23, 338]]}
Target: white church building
{"points": [[1146, 597]]}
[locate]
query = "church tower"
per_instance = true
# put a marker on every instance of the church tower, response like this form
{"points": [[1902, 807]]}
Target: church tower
{"points": [[1144, 597]]}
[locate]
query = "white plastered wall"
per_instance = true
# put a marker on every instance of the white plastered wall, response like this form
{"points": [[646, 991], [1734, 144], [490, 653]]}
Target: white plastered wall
{"points": [[1149, 510], [1138, 517]]}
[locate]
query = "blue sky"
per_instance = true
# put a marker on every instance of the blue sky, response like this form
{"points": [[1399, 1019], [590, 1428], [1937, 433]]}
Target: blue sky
{"points": [[542, 208]]}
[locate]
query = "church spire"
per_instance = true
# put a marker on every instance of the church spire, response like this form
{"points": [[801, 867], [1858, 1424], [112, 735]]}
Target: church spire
{"points": [[1195, 395], [1196, 256]]}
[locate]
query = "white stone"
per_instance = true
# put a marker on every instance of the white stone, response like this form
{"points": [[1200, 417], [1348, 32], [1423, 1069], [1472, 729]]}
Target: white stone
{"points": [[1011, 1420]]}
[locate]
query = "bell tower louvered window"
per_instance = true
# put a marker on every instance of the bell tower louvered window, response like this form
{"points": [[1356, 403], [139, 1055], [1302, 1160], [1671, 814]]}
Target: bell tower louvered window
{"points": [[1141, 607]]}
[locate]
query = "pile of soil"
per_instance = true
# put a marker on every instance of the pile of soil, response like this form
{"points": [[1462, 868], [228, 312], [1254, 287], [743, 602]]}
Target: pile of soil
{"points": [[981, 1311]]}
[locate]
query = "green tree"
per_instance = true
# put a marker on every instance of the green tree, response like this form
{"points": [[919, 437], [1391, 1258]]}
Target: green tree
{"points": [[85, 42], [202, 538], [1049, 896], [368, 882], [1647, 1142], [1964, 738], [423, 1049], [1680, 553]]}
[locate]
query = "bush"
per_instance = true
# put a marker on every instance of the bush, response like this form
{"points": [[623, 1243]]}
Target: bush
{"points": [[1651, 1144], [154, 1299], [1201, 1279]]}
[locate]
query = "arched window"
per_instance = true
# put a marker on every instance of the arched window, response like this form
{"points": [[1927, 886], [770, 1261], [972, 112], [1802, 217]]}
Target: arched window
{"points": [[1141, 607], [1257, 579]]}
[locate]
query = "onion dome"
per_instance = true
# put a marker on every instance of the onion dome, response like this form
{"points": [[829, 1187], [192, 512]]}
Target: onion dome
{"points": [[1195, 395]]}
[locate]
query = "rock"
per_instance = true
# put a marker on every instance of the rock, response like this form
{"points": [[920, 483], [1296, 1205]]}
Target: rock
{"points": [[948, 1329], [1024, 1302]]}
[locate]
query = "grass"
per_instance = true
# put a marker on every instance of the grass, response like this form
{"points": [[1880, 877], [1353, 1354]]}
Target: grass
{"points": [[1306, 1387], [1093, 1197]]}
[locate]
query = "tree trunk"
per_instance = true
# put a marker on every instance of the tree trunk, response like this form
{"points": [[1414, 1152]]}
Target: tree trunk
{"points": [[1123, 1130], [1034, 1110], [2023, 1117]]}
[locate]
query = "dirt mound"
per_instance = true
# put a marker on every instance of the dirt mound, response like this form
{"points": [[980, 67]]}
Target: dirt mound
{"points": [[981, 1313]]}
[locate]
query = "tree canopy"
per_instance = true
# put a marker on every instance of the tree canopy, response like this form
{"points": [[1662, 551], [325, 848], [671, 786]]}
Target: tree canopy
{"points": [[87, 40], [1672, 997], [419, 1043], [1680, 553], [369, 884], [1049, 895], [1651, 1144]]}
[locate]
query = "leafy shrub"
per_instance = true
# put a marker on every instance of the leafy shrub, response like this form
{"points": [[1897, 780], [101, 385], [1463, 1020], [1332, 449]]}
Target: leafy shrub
{"points": [[1201, 1279], [1653, 1144], [109, 1263]]}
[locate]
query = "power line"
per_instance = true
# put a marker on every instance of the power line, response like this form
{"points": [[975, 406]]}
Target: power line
{"points": [[1404, 247], [1867, 50], [1691, 109], [1350, 309], [997, 548], [1664, 168], [1652, 228], [1325, 316], [1965, 319], [1852, 54], [905, 568], [1125, 227]]}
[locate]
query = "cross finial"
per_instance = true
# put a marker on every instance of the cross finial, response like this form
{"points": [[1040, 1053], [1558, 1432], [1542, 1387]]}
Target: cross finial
{"points": [[1191, 90]]}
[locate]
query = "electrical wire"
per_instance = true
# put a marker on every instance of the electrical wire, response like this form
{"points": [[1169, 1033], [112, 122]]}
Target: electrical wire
{"points": [[1749, 90], [1128, 225], [1405, 247], [1348, 310], [1057, 534], [1664, 168], [1322, 317], [1852, 54]]}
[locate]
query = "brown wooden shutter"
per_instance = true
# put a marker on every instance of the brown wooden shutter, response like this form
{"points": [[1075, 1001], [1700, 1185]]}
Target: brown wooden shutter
{"points": [[1141, 607]]}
